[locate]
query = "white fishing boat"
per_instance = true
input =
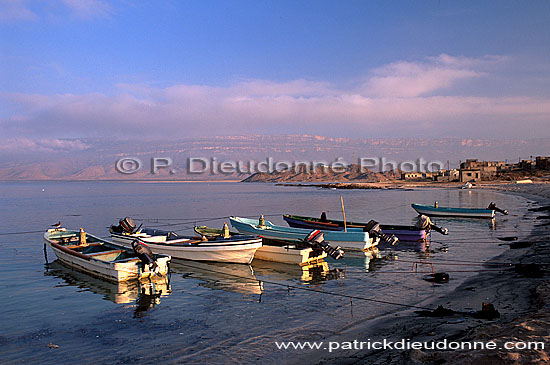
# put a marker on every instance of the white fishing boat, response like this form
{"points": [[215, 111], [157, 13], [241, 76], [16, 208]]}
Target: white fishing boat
{"points": [[289, 254], [239, 250], [274, 250], [106, 260]]}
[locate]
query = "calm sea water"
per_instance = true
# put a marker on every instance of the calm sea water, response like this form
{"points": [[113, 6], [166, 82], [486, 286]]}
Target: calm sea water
{"points": [[207, 315]]}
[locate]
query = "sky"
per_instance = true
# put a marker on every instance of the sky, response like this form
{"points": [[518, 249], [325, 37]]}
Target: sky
{"points": [[175, 69]]}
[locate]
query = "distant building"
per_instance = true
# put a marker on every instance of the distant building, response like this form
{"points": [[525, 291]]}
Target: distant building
{"points": [[542, 163], [527, 164], [486, 169], [470, 175], [411, 175], [507, 167], [447, 175]]}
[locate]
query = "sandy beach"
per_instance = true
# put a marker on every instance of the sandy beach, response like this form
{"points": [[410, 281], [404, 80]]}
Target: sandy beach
{"points": [[522, 300]]}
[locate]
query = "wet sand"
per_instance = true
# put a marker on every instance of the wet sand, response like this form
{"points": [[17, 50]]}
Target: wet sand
{"points": [[522, 301]]}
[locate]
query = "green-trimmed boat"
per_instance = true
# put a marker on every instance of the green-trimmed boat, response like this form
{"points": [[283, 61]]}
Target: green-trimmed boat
{"points": [[296, 252]]}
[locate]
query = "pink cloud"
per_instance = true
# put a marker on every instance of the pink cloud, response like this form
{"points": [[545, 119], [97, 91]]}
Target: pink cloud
{"points": [[27, 10], [16, 10], [87, 8], [402, 97], [42, 145], [411, 79]]}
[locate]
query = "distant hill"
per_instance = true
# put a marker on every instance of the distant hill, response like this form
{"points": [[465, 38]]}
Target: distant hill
{"points": [[352, 173], [95, 159]]}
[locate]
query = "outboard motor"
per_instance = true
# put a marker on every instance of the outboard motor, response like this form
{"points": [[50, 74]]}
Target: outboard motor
{"points": [[125, 225], [424, 222], [316, 239], [145, 255], [374, 230], [494, 207]]}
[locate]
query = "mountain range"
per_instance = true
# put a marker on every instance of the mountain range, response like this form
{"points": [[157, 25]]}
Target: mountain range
{"points": [[96, 159]]}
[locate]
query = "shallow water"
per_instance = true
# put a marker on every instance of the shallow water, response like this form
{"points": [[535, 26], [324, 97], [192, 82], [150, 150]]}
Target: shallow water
{"points": [[217, 312]]}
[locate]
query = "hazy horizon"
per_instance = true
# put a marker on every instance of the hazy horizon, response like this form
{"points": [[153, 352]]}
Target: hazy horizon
{"points": [[96, 158]]}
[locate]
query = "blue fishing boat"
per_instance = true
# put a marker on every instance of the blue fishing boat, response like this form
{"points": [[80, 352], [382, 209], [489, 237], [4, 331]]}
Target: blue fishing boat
{"points": [[437, 211], [402, 232], [354, 240]]}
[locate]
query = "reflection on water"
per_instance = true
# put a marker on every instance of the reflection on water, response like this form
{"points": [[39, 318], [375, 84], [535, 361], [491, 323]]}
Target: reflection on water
{"points": [[247, 279], [468, 222], [145, 293], [315, 273], [149, 295], [365, 259], [409, 246], [235, 278]]}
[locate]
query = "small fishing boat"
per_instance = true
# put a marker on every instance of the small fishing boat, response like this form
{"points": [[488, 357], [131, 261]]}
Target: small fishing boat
{"points": [[467, 185], [356, 240], [402, 232], [106, 260], [238, 249], [285, 252], [437, 211]]}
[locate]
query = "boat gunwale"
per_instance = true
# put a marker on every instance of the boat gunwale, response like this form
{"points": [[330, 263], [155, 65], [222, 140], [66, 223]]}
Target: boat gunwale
{"points": [[192, 244], [389, 227], [453, 212], [364, 236]]}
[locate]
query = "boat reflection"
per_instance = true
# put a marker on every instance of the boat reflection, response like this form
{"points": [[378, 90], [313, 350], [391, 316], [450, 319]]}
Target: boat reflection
{"points": [[149, 296], [466, 222], [368, 260], [314, 273], [237, 278], [407, 246], [247, 279], [145, 294]]}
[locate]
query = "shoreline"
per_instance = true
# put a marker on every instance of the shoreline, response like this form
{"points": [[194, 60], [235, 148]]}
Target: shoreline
{"points": [[403, 185], [523, 303]]}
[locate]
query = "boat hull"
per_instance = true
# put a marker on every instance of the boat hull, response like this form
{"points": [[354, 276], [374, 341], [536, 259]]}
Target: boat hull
{"points": [[402, 232], [288, 255], [238, 252], [274, 251], [347, 240], [453, 212], [405, 233], [111, 271]]}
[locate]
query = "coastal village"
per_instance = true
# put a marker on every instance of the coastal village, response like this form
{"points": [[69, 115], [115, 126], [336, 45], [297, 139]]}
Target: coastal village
{"points": [[474, 171]]}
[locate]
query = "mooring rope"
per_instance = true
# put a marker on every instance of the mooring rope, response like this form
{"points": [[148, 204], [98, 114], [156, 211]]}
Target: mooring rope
{"points": [[310, 289], [14, 233], [422, 272]]}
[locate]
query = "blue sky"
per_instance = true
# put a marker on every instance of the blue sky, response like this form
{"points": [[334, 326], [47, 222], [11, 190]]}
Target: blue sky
{"points": [[98, 68]]}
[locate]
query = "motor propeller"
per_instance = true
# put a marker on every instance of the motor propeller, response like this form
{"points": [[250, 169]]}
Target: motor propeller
{"points": [[316, 239], [494, 207]]}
